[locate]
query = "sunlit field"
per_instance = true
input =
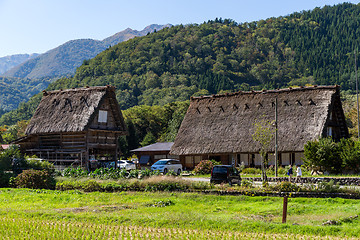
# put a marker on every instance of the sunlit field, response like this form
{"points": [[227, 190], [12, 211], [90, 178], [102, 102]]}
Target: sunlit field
{"points": [[46, 214]]}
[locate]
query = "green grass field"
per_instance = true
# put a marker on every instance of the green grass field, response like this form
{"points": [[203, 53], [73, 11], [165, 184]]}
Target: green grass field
{"points": [[46, 214]]}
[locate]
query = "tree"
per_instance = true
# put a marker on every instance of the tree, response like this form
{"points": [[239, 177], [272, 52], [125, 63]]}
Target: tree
{"points": [[263, 134], [323, 155]]}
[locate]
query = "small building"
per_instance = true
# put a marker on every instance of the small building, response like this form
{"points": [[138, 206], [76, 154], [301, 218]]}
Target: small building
{"points": [[220, 127], [75, 126], [150, 154]]}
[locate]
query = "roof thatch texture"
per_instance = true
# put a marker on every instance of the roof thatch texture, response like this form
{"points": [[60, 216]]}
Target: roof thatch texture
{"points": [[225, 123], [71, 110]]}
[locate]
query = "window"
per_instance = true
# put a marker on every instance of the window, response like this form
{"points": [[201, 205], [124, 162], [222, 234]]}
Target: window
{"points": [[102, 116], [329, 131]]}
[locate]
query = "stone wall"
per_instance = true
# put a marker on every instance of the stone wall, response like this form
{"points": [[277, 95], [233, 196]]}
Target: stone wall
{"points": [[350, 181]]}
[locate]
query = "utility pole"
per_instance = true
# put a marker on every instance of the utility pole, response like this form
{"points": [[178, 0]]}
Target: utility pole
{"points": [[276, 139], [357, 97]]}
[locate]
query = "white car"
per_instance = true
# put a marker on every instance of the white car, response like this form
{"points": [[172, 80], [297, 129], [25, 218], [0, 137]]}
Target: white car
{"points": [[165, 165], [128, 165]]}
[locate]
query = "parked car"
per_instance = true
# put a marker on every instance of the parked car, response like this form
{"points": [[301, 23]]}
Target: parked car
{"points": [[165, 165], [225, 174], [127, 164]]}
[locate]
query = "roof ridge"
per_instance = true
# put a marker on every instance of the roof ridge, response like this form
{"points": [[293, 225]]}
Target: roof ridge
{"points": [[87, 88], [290, 89]]}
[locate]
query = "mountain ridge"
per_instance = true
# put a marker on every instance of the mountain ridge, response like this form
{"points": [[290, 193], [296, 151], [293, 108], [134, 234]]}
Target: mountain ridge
{"points": [[64, 59]]}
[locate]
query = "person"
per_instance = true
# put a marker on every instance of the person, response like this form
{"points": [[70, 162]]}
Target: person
{"points": [[298, 173], [290, 172]]}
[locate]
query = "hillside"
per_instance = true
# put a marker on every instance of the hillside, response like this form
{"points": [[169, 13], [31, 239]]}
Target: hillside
{"points": [[64, 60], [11, 61], [13, 91], [181, 61]]}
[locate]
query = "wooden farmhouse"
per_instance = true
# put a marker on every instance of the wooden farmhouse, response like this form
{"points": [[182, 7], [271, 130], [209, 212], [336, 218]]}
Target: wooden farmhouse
{"points": [[220, 127], [75, 126]]}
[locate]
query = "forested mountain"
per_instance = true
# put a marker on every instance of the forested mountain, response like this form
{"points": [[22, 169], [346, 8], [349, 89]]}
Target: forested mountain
{"points": [[13, 91], [11, 61], [221, 55], [64, 59]]}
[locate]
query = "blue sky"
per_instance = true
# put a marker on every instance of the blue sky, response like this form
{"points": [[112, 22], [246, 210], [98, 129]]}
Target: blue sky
{"points": [[36, 26]]}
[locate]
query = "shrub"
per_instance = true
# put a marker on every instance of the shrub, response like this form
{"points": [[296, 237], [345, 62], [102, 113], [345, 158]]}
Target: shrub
{"points": [[11, 159], [204, 167], [247, 183], [323, 155], [5, 179], [91, 186], [39, 165], [328, 187], [74, 172], [251, 171], [285, 187], [36, 179]]}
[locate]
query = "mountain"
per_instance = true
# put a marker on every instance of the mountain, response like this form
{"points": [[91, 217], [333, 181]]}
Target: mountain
{"points": [[13, 91], [11, 61], [130, 33], [63, 60], [173, 64]]}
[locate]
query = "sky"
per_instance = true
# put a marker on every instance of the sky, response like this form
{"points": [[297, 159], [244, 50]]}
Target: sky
{"points": [[36, 26]]}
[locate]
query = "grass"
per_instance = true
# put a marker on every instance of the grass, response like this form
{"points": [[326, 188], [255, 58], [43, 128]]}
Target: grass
{"points": [[108, 214]]}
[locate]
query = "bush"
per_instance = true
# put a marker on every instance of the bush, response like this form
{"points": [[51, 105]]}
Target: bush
{"points": [[39, 165], [91, 186], [11, 159], [328, 187], [247, 183], [323, 155], [285, 187], [204, 167], [251, 171], [5, 179], [154, 183], [36, 179]]}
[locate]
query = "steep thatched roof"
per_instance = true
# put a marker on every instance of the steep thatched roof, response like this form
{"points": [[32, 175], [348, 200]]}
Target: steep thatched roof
{"points": [[72, 110], [225, 123]]}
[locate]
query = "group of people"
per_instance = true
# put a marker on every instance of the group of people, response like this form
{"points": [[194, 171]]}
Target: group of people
{"points": [[298, 172]]}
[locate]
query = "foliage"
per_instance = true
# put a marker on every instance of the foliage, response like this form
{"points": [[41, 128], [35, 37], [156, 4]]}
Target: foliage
{"points": [[153, 183], [285, 186], [11, 159], [247, 183], [38, 179], [204, 167], [33, 163], [251, 171], [350, 154], [111, 173], [5, 179], [326, 155], [263, 135], [328, 187]]}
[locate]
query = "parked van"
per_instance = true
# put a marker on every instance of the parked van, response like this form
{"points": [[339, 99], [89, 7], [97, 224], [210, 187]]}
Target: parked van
{"points": [[225, 174]]}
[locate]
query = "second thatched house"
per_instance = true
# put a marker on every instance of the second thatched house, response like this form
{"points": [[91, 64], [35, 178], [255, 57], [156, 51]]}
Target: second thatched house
{"points": [[75, 126], [220, 127]]}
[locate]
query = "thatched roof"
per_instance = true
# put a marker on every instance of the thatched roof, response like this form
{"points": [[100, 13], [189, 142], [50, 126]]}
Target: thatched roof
{"points": [[225, 123], [72, 110]]}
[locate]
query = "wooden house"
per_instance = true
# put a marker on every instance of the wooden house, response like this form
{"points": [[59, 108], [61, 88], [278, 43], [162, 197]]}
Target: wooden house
{"points": [[220, 127], [75, 126]]}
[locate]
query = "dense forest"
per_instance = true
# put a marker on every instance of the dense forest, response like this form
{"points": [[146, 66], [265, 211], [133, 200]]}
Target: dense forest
{"points": [[13, 91], [310, 47]]}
